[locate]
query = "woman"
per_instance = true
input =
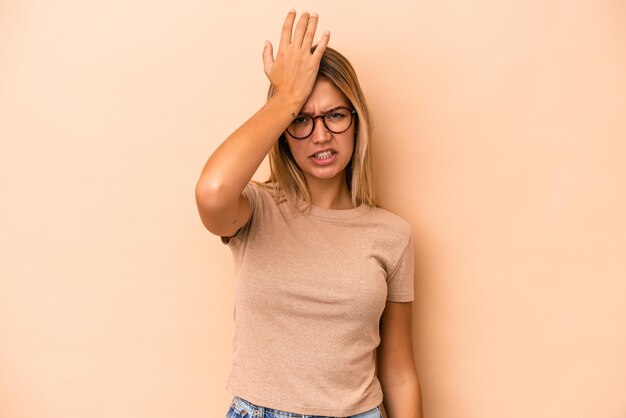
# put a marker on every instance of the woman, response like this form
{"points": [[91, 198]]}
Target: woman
{"points": [[324, 273]]}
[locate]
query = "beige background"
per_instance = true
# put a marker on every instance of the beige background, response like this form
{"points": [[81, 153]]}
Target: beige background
{"points": [[500, 132]]}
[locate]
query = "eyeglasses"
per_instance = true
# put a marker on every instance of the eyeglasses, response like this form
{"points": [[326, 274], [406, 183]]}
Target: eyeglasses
{"points": [[336, 120]]}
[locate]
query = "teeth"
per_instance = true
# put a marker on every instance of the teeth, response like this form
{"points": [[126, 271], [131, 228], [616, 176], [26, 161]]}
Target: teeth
{"points": [[324, 155]]}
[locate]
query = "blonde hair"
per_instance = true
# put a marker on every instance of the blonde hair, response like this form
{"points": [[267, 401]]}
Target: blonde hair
{"points": [[287, 181]]}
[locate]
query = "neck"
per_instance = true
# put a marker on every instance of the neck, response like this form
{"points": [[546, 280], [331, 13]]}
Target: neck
{"points": [[330, 193]]}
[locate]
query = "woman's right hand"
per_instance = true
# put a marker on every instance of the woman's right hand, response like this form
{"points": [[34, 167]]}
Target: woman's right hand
{"points": [[294, 71], [223, 207]]}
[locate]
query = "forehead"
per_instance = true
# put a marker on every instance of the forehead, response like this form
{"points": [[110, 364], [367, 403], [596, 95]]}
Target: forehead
{"points": [[324, 96]]}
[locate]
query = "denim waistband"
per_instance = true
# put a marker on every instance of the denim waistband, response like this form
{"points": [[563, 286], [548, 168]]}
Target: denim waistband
{"points": [[246, 409]]}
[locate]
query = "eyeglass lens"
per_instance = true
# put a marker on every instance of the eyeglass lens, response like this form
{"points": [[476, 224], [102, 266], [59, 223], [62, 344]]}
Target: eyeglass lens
{"points": [[337, 121]]}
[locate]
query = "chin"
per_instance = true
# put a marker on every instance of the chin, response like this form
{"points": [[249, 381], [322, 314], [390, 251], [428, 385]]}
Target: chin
{"points": [[325, 175]]}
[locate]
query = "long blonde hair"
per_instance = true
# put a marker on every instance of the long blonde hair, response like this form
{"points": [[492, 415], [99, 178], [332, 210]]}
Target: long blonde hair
{"points": [[287, 181]]}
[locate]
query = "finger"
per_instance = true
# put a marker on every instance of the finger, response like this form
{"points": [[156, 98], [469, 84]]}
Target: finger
{"points": [[300, 29], [310, 31], [285, 35], [321, 46], [268, 57]]}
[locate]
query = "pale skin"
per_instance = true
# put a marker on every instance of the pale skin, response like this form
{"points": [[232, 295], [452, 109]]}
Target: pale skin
{"points": [[224, 209]]}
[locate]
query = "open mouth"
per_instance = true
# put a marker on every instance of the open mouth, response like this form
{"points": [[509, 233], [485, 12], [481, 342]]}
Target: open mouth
{"points": [[324, 155]]}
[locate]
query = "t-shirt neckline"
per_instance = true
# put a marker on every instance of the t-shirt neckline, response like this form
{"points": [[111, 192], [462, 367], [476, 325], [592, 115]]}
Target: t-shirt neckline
{"points": [[339, 213]]}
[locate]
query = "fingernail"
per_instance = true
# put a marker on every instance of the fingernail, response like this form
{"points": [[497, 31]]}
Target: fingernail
{"points": [[314, 14]]}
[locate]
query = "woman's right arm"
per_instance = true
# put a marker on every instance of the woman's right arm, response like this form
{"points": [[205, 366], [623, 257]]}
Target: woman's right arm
{"points": [[222, 206]]}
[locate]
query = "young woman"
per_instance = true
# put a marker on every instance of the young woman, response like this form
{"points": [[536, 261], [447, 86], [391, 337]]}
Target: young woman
{"points": [[324, 274]]}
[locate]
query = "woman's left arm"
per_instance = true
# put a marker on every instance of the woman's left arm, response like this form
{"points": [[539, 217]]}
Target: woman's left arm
{"points": [[395, 365]]}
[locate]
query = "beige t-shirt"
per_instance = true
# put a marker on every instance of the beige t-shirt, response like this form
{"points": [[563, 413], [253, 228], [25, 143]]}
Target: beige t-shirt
{"points": [[309, 294]]}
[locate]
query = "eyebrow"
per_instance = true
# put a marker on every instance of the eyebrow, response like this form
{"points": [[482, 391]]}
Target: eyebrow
{"points": [[325, 111]]}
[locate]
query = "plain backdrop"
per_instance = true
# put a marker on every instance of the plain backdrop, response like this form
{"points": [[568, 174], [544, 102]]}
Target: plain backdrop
{"points": [[499, 135]]}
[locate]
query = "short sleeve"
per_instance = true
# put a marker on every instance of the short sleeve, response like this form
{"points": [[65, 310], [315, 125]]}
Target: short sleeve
{"points": [[400, 280], [252, 194]]}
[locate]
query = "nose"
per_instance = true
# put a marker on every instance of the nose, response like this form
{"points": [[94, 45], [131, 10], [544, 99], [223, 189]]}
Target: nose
{"points": [[320, 131]]}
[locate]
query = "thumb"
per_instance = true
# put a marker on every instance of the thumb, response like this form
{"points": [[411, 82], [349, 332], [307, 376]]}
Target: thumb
{"points": [[268, 57]]}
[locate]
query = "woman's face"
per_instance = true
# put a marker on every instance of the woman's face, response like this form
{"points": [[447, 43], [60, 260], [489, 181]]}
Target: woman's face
{"points": [[325, 96]]}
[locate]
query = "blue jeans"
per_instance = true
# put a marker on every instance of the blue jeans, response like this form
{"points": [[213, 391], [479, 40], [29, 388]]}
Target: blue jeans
{"points": [[240, 408]]}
